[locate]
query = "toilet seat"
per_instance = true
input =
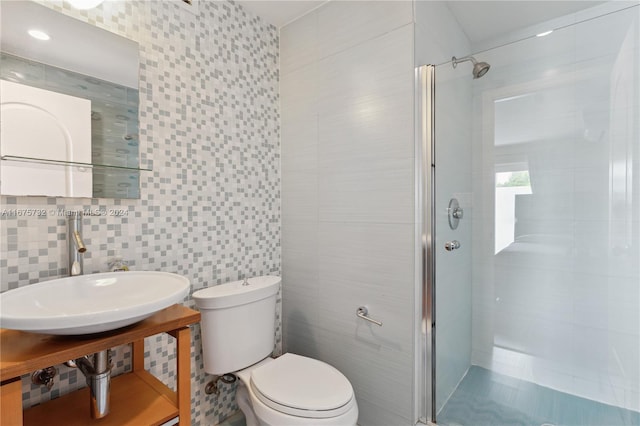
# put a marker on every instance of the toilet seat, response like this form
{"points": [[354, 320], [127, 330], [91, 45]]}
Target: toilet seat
{"points": [[303, 387]]}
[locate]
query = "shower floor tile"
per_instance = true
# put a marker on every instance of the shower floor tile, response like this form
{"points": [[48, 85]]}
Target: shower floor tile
{"points": [[487, 398]]}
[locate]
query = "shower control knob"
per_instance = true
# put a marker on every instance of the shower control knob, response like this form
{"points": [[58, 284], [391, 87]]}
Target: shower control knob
{"points": [[452, 245]]}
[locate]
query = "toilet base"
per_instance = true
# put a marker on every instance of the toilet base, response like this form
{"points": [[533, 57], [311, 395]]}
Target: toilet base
{"points": [[244, 403]]}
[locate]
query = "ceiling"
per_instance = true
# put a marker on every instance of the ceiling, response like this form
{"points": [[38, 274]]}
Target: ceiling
{"points": [[481, 20]]}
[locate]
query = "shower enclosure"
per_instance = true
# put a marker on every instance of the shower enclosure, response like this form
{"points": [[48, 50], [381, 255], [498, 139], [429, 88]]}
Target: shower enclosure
{"points": [[529, 182]]}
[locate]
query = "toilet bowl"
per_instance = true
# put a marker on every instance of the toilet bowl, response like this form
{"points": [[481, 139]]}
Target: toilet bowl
{"points": [[238, 336], [293, 390]]}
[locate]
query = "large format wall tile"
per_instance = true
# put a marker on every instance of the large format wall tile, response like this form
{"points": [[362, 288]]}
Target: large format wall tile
{"points": [[344, 24], [347, 128], [299, 43]]}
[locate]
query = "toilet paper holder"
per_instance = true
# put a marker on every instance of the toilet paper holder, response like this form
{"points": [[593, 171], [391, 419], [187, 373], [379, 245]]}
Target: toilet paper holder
{"points": [[363, 312]]}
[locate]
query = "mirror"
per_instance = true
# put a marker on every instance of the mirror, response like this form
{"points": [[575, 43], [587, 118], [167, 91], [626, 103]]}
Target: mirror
{"points": [[69, 100]]}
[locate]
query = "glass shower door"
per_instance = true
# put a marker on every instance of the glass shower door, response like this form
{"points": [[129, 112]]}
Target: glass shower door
{"points": [[537, 288]]}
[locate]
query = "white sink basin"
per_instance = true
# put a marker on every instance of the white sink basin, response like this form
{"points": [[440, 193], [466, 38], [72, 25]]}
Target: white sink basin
{"points": [[90, 303]]}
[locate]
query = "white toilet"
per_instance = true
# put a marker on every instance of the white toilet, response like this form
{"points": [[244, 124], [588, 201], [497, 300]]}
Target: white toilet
{"points": [[238, 336]]}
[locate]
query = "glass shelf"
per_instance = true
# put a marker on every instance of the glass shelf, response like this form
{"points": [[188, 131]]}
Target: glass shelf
{"points": [[72, 163]]}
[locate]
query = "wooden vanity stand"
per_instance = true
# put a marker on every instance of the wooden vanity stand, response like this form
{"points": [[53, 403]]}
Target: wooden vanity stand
{"points": [[137, 398]]}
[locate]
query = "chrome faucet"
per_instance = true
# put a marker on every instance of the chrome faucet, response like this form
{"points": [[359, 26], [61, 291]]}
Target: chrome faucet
{"points": [[76, 245]]}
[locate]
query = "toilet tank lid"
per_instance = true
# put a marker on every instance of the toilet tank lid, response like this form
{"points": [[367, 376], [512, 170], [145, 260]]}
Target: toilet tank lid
{"points": [[236, 293]]}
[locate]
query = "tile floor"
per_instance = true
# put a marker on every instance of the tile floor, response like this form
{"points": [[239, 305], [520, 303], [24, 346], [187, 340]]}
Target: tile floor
{"points": [[236, 419], [485, 398]]}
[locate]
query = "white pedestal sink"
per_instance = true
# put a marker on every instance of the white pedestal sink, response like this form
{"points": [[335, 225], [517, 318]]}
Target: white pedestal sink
{"points": [[92, 303]]}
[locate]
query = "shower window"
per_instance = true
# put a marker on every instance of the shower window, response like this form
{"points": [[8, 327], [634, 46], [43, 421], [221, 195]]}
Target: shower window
{"points": [[510, 189]]}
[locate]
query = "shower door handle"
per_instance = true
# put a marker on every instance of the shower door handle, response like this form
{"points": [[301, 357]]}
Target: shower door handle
{"points": [[452, 245]]}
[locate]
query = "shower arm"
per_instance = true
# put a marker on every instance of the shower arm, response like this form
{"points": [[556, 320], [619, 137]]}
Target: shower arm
{"points": [[455, 61]]}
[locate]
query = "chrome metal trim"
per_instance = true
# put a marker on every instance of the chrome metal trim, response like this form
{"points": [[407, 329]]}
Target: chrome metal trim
{"points": [[454, 213], [363, 312], [75, 244], [98, 376], [44, 376], [420, 362], [426, 144], [452, 245]]}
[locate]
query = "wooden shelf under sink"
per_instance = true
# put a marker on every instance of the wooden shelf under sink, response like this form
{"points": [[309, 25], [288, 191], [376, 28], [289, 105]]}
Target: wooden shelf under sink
{"points": [[134, 402], [137, 398]]}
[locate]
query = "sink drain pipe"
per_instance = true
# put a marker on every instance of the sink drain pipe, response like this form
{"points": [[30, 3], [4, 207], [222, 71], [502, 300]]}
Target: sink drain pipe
{"points": [[98, 375]]}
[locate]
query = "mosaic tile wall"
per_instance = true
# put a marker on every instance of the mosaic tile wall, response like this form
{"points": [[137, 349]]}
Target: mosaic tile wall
{"points": [[210, 210]]}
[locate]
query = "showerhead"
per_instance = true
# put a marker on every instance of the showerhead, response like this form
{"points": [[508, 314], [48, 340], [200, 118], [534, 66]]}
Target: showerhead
{"points": [[479, 68]]}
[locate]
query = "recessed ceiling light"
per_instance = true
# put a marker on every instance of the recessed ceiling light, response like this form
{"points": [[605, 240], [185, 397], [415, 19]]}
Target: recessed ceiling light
{"points": [[39, 35], [84, 4], [544, 33]]}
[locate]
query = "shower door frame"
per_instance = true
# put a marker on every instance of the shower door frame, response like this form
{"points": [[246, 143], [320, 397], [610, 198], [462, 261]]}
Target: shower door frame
{"points": [[425, 177]]}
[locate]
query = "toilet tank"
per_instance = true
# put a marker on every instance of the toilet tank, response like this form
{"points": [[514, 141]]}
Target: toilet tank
{"points": [[238, 323]]}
